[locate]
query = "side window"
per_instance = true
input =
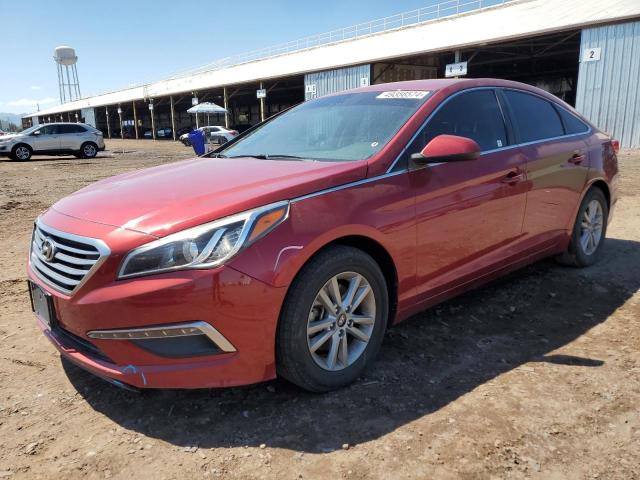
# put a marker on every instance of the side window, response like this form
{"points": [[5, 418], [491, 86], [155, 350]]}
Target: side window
{"points": [[535, 118], [474, 115], [47, 130], [572, 124], [75, 129], [64, 129]]}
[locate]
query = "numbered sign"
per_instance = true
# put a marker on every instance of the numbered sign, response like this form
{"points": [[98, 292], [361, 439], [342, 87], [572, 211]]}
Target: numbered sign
{"points": [[262, 93], [364, 81], [591, 54], [311, 89], [455, 70]]}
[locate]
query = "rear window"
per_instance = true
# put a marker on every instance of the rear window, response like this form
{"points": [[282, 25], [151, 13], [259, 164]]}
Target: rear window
{"points": [[572, 124], [535, 118]]}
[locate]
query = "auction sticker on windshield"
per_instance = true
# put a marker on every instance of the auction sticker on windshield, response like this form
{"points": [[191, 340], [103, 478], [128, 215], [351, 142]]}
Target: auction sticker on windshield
{"points": [[414, 94]]}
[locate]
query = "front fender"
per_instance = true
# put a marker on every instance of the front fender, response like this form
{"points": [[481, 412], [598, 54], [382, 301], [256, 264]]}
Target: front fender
{"points": [[382, 210]]}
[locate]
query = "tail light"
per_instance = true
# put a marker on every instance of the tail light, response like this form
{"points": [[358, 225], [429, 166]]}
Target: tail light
{"points": [[616, 145]]}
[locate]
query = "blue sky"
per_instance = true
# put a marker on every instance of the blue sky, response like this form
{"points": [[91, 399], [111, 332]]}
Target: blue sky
{"points": [[122, 42]]}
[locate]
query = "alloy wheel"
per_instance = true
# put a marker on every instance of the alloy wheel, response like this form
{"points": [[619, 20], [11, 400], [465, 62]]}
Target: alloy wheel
{"points": [[341, 321], [89, 150], [591, 227], [22, 153]]}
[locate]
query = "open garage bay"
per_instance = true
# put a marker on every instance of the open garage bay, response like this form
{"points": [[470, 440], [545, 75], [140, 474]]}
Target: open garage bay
{"points": [[535, 375]]}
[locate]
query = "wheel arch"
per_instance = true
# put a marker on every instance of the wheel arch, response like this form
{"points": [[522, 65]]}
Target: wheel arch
{"points": [[22, 144], [375, 250], [602, 185]]}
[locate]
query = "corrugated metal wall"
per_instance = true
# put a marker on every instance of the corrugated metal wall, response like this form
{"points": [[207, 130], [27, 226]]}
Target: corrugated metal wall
{"points": [[609, 88], [331, 81]]}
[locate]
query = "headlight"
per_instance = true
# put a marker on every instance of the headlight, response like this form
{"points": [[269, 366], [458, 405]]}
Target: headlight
{"points": [[205, 246]]}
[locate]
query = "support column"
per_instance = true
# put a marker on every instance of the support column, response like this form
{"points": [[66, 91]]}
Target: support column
{"points": [[226, 107], [135, 119], [106, 109], [457, 58], [120, 117], [173, 121], [261, 103], [153, 121]]}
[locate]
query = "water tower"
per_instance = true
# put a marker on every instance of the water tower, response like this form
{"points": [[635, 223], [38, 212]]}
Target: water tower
{"points": [[68, 84]]}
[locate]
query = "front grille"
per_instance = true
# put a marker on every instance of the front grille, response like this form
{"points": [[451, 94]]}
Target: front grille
{"points": [[71, 260]]}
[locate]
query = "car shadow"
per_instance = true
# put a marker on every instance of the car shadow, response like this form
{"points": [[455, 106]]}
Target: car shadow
{"points": [[57, 158], [425, 363]]}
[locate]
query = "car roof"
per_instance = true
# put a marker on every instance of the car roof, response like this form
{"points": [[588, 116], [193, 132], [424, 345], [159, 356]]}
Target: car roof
{"points": [[451, 85], [62, 123]]}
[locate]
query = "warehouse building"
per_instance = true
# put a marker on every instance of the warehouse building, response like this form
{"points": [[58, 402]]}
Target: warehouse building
{"points": [[586, 52]]}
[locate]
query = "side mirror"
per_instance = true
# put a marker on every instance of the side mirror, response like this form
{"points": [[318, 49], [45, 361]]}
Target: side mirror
{"points": [[36, 133], [446, 148]]}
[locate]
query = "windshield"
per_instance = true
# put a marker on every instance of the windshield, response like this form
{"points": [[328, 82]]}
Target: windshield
{"points": [[346, 127], [30, 130]]}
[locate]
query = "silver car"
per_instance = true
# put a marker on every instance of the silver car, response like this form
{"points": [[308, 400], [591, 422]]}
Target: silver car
{"points": [[79, 139]]}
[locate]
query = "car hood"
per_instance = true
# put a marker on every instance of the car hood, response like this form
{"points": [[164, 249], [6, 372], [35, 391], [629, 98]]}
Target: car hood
{"points": [[166, 199], [10, 137]]}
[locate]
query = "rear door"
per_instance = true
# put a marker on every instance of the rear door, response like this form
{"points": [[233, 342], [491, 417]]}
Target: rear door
{"points": [[469, 214], [71, 136], [556, 163]]}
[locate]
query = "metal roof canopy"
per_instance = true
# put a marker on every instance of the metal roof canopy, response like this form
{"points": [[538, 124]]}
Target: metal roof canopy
{"points": [[516, 19]]}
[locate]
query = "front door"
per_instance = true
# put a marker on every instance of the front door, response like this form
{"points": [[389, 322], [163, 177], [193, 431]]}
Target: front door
{"points": [[47, 139], [469, 214]]}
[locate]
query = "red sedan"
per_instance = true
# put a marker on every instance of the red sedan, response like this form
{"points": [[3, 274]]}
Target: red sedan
{"points": [[294, 247]]}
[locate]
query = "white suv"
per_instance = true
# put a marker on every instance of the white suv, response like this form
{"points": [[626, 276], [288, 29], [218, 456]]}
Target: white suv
{"points": [[78, 139]]}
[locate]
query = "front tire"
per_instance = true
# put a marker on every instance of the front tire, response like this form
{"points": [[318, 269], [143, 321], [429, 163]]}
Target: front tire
{"points": [[333, 320], [89, 150], [21, 153], [589, 231]]}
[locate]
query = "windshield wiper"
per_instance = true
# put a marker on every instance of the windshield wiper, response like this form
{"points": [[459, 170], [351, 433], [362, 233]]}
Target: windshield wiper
{"points": [[217, 155], [269, 156]]}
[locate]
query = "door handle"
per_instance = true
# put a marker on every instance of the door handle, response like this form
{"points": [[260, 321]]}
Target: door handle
{"points": [[513, 177], [577, 158]]}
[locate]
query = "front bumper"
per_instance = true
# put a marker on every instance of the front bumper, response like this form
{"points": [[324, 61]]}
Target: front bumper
{"points": [[5, 150], [243, 310]]}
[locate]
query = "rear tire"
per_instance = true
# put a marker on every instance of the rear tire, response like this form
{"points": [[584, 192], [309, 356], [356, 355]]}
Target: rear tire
{"points": [[352, 327], [21, 153], [88, 150], [589, 231]]}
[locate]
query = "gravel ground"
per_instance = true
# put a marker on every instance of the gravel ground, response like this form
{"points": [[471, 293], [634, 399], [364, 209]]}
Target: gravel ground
{"points": [[534, 376]]}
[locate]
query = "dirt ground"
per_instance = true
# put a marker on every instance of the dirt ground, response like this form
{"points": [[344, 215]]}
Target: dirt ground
{"points": [[535, 376]]}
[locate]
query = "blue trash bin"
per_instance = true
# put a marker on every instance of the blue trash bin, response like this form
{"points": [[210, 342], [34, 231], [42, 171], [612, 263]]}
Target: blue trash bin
{"points": [[197, 141]]}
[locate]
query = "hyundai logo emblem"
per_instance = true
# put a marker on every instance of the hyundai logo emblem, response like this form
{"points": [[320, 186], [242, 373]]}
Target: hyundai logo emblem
{"points": [[48, 250]]}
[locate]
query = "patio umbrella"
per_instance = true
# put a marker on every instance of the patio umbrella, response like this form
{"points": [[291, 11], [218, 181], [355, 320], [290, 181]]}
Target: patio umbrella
{"points": [[206, 107]]}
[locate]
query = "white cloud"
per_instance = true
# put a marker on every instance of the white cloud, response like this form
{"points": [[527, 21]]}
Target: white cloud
{"points": [[35, 87], [31, 102]]}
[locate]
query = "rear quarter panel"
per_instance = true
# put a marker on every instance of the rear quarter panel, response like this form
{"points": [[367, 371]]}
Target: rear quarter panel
{"points": [[603, 167]]}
